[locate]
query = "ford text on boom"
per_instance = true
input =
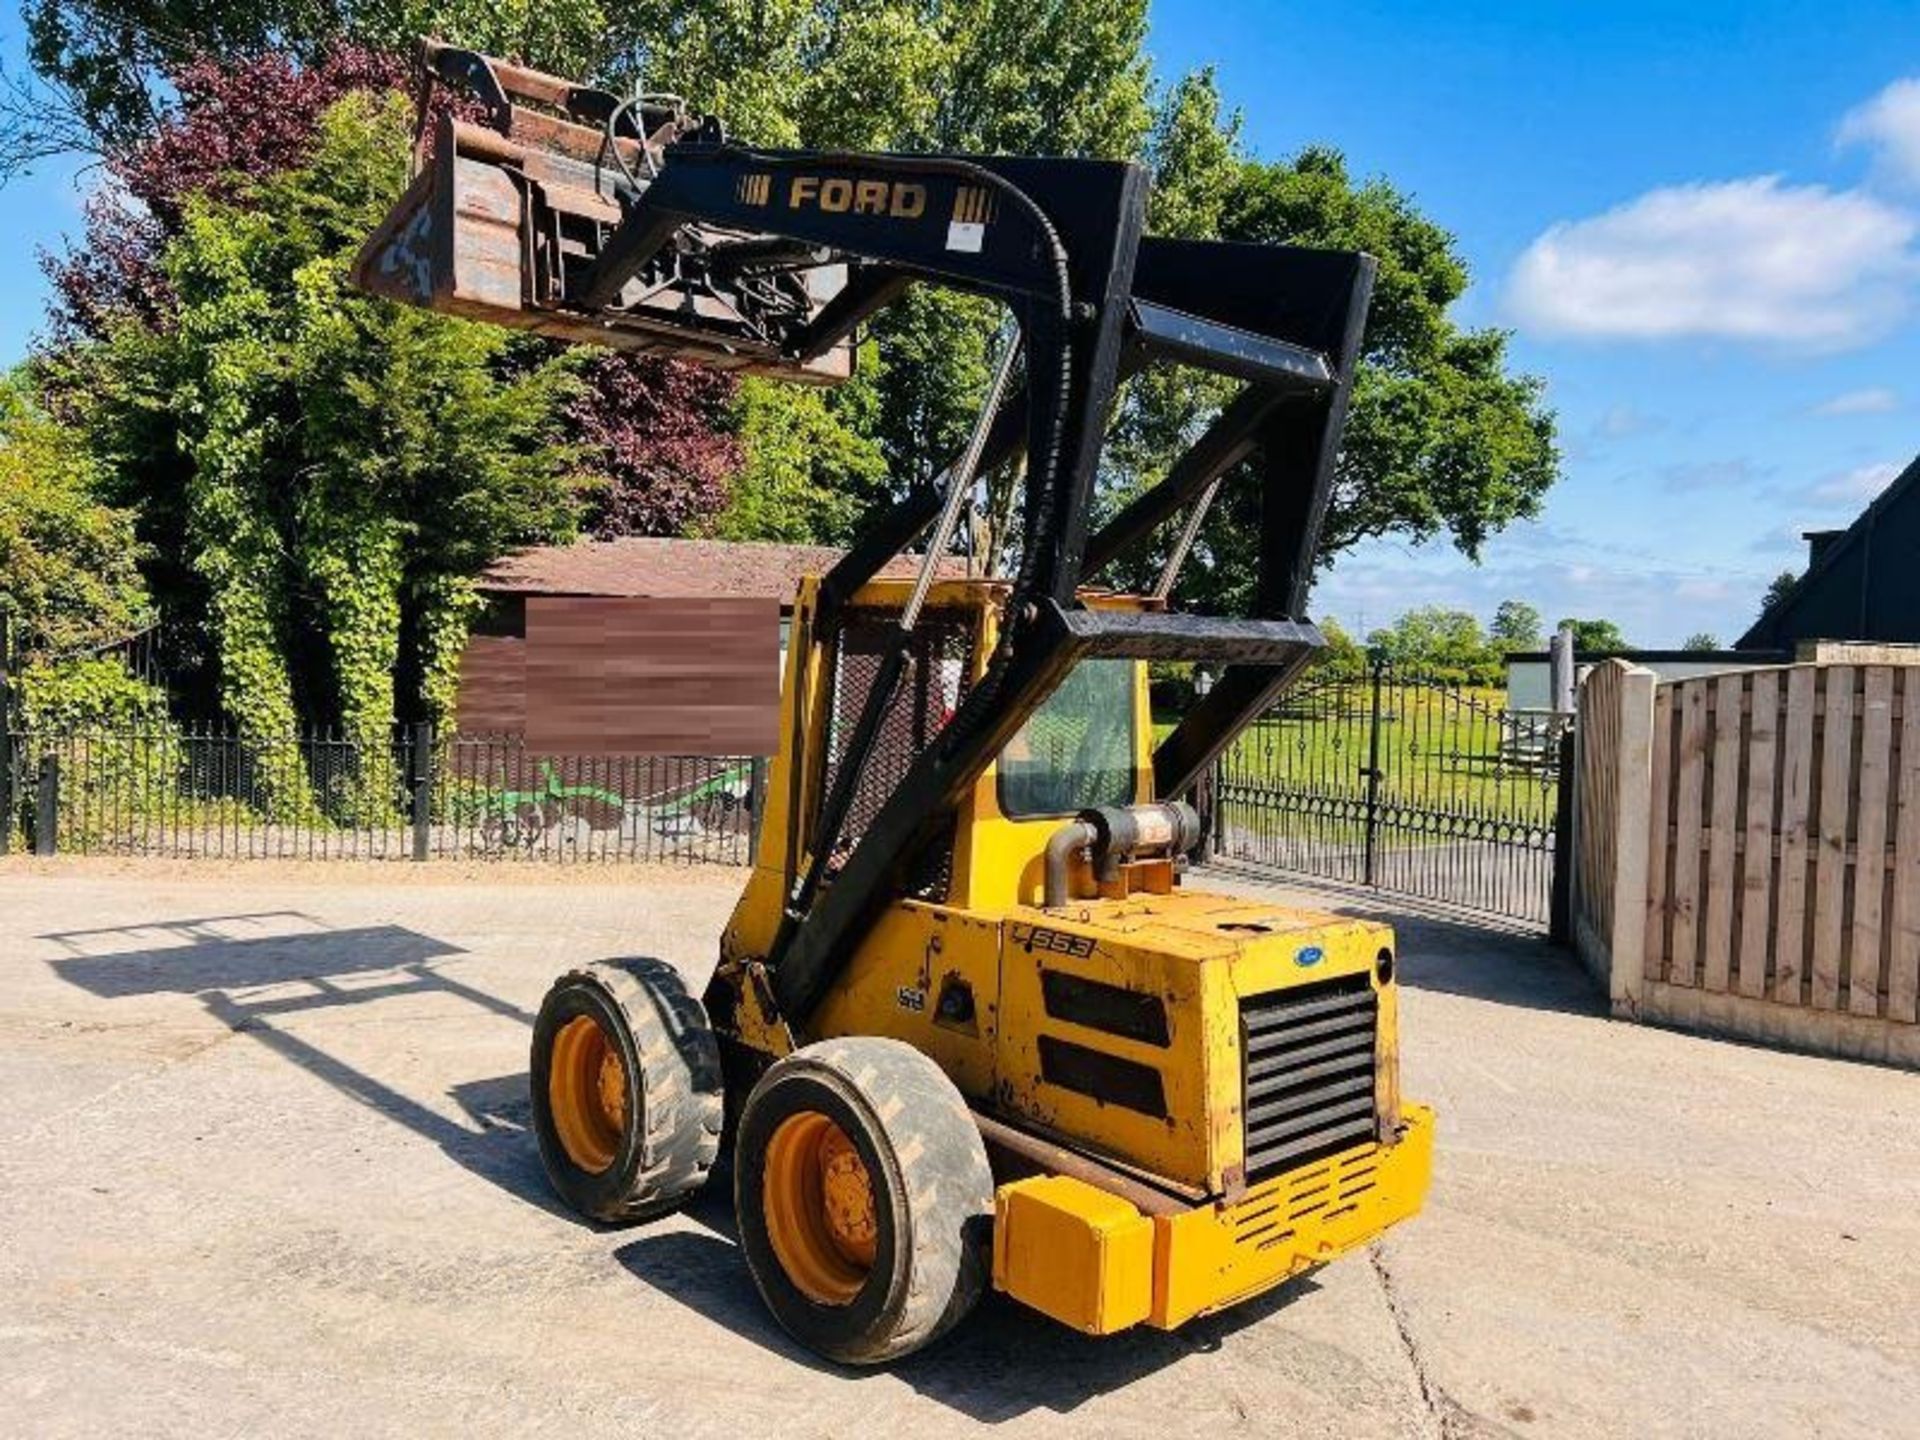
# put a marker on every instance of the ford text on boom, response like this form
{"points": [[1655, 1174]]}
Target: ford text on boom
{"points": [[901, 199]]}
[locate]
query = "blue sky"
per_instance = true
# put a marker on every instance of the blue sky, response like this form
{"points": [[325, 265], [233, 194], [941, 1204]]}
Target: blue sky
{"points": [[1695, 321], [1702, 221]]}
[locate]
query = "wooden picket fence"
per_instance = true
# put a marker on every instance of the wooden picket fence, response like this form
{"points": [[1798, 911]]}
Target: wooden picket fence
{"points": [[1748, 852]]}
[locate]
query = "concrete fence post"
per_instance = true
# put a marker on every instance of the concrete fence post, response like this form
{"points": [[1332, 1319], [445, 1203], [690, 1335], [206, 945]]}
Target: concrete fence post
{"points": [[1632, 842]]}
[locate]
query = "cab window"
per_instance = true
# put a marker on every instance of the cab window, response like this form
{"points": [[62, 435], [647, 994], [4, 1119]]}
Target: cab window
{"points": [[1076, 750]]}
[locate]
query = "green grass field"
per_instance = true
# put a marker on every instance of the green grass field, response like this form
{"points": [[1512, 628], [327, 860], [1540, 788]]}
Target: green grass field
{"points": [[1455, 751]]}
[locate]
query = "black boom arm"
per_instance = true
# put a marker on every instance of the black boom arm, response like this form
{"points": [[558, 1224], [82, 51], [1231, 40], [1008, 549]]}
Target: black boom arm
{"points": [[640, 225]]}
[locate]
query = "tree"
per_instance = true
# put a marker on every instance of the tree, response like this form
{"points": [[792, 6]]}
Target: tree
{"points": [[1516, 626], [69, 579], [1596, 637], [349, 465], [1343, 658], [804, 470], [231, 124], [104, 71], [1441, 440], [1777, 590], [1701, 641], [1439, 644], [660, 436]]}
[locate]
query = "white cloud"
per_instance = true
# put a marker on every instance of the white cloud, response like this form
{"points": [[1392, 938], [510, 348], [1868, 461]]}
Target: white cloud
{"points": [[1751, 260], [1874, 400], [1856, 486], [1890, 124]]}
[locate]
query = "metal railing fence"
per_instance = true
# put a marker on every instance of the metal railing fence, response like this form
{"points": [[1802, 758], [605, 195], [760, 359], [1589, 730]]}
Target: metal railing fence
{"points": [[408, 794], [1426, 788]]}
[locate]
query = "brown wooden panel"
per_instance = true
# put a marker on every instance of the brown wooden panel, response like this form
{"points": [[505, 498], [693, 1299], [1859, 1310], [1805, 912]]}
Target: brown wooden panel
{"points": [[1903, 981], [1837, 786], [493, 685], [1756, 911], [1796, 812], [1722, 833], [652, 676], [1870, 842], [1689, 802], [1659, 896]]}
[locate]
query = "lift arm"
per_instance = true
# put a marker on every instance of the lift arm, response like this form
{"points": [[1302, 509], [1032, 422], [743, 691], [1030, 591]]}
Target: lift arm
{"points": [[639, 224]]}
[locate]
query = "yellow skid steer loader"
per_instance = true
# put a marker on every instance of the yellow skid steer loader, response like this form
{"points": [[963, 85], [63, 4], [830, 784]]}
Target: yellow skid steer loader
{"points": [[967, 1028]]}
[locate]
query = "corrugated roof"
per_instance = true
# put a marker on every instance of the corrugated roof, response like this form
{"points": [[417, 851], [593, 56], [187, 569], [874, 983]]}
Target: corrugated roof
{"points": [[658, 568]]}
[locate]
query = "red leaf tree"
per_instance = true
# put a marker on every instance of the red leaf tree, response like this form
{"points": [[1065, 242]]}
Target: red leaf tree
{"points": [[658, 433]]}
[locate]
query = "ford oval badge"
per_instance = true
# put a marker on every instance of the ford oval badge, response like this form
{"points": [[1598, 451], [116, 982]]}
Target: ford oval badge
{"points": [[1308, 956]]}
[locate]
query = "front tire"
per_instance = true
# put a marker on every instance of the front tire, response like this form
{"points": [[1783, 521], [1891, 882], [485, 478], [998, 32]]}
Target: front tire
{"points": [[863, 1198], [627, 1090]]}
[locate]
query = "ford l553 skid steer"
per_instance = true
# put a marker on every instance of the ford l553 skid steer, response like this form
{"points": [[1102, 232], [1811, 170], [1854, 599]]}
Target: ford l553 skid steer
{"points": [[967, 1028]]}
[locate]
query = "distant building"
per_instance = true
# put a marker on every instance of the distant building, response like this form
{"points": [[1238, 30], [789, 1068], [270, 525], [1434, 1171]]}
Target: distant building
{"points": [[647, 567], [1862, 583], [641, 644], [1530, 676]]}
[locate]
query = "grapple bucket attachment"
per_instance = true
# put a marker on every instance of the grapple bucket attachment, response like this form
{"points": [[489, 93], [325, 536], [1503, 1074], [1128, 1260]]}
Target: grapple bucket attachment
{"points": [[505, 213]]}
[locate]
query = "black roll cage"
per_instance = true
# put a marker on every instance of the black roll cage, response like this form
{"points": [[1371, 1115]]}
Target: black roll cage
{"points": [[789, 251]]}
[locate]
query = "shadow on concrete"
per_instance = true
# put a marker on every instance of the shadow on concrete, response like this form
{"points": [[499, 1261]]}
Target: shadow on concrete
{"points": [[1459, 958], [1003, 1363], [248, 982], [206, 963]]}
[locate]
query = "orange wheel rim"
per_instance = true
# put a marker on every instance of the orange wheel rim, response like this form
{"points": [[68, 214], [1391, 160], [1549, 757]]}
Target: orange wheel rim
{"points": [[818, 1200], [587, 1094]]}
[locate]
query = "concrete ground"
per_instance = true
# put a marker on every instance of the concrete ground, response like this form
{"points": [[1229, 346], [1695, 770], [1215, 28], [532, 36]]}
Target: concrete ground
{"points": [[265, 1171]]}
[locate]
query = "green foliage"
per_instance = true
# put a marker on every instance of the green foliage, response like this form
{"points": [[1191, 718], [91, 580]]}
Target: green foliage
{"points": [[68, 563], [1344, 656], [1701, 641], [809, 470], [347, 459], [1596, 637], [1440, 644], [1043, 77], [1777, 590], [1517, 626], [109, 733], [1441, 440], [86, 693]]}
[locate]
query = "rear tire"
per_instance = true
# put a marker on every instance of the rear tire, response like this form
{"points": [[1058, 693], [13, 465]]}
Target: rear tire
{"points": [[863, 1282], [626, 1088]]}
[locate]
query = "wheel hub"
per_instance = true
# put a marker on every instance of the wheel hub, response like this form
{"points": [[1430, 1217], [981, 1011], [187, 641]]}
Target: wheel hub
{"points": [[587, 1094], [819, 1204]]}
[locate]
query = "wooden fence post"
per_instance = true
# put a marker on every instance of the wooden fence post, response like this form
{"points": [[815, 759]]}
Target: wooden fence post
{"points": [[1632, 841]]}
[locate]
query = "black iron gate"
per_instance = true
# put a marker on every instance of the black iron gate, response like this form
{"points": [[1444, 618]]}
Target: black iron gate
{"points": [[1424, 787]]}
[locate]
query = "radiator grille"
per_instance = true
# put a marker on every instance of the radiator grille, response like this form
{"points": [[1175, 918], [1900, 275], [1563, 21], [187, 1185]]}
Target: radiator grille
{"points": [[1309, 1087]]}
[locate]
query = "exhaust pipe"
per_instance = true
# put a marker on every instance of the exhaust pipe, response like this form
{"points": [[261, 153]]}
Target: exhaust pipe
{"points": [[1114, 835]]}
